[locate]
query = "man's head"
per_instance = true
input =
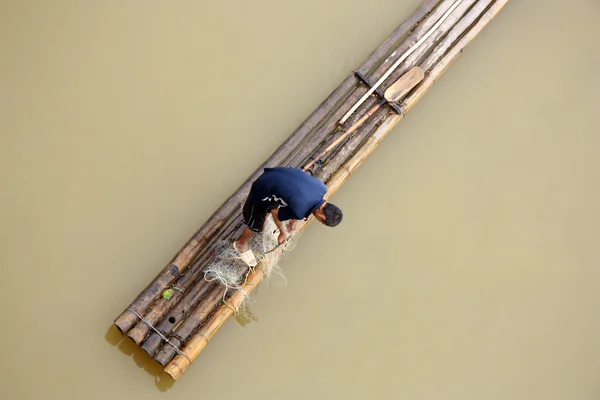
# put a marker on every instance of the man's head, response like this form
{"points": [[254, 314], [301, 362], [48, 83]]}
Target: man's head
{"points": [[328, 214]]}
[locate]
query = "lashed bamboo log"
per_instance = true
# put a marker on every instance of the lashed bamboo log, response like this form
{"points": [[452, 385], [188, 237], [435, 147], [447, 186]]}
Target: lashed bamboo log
{"points": [[426, 46], [187, 326], [167, 316], [460, 11], [186, 294], [409, 43], [413, 37], [197, 343], [156, 311], [459, 28], [125, 321], [449, 11], [411, 49], [400, 32]]}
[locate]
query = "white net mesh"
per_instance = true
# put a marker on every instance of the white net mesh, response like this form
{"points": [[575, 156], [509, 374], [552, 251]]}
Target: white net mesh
{"points": [[229, 270]]}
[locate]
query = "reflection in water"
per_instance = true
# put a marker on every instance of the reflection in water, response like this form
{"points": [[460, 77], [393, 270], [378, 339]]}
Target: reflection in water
{"points": [[245, 315], [162, 381]]}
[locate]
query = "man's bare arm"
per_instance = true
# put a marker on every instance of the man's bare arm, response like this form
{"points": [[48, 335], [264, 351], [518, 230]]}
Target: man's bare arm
{"points": [[283, 233]]}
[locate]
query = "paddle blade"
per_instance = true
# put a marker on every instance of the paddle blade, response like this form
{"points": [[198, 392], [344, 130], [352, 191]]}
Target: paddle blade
{"points": [[404, 84]]}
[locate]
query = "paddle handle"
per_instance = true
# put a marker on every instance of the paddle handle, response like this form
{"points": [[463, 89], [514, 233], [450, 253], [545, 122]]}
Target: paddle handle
{"points": [[345, 135]]}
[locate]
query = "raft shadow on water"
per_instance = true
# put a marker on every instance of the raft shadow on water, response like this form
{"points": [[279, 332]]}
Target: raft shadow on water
{"points": [[162, 381]]}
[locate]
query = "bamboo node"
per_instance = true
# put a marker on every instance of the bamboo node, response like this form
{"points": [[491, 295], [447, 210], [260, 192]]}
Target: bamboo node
{"points": [[163, 337]]}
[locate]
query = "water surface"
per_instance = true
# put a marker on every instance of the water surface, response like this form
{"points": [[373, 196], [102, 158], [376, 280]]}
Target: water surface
{"points": [[467, 264]]}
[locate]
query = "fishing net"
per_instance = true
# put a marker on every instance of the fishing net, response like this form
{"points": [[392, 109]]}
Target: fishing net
{"points": [[229, 270]]}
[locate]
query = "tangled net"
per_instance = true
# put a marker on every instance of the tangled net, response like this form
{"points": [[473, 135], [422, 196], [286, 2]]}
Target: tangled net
{"points": [[229, 270]]}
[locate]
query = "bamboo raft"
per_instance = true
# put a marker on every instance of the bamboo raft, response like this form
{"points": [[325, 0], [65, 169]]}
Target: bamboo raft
{"points": [[346, 128]]}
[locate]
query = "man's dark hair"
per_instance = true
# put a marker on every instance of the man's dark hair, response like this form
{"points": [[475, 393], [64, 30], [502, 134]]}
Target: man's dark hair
{"points": [[333, 215]]}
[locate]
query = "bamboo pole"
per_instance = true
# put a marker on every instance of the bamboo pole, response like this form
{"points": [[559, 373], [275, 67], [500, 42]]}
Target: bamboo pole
{"points": [[460, 11], [345, 152], [197, 343], [423, 25], [158, 309], [189, 326], [435, 11], [455, 4], [178, 316], [469, 19], [454, 52], [186, 293], [398, 34], [126, 320], [426, 45], [163, 312], [342, 137]]}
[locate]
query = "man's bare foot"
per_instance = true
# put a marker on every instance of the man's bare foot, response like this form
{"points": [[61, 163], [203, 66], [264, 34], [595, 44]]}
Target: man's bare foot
{"points": [[241, 247], [246, 255]]}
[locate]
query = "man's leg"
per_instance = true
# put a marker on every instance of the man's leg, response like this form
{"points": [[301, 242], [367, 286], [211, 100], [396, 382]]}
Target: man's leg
{"points": [[253, 213], [242, 242]]}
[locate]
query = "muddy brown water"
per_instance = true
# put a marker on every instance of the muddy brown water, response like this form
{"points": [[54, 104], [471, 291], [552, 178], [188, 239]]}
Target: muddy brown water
{"points": [[467, 264]]}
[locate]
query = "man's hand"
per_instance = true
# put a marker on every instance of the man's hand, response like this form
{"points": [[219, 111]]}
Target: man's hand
{"points": [[283, 236], [283, 233], [292, 225]]}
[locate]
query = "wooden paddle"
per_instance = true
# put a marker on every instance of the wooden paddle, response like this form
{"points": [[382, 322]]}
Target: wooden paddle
{"points": [[400, 60], [395, 92]]}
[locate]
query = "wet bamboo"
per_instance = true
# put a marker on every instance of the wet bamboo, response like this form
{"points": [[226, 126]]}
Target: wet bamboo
{"points": [[322, 135], [344, 153], [186, 293], [405, 55], [454, 52], [443, 9], [197, 343], [459, 13], [189, 326], [461, 26], [166, 315], [426, 46], [423, 24], [341, 137], [126, 320], [179, 316], [398, 34], [419, 30]]}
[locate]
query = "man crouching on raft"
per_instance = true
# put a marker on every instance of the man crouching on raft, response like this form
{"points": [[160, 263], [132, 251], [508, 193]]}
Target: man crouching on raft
{"points": [[289, 194]]}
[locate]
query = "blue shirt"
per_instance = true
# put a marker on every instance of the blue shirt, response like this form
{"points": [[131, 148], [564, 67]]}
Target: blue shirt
{"points": [[297, 193]]}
